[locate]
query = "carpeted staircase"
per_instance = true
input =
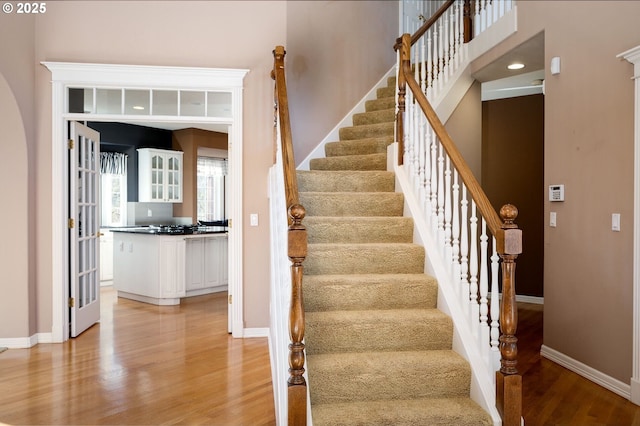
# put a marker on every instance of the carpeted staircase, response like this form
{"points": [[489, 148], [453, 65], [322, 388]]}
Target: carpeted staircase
{"points": [[378, 349]]}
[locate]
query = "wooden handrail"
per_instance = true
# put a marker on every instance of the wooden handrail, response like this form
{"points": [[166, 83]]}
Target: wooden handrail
{"points": [[297, 251], [427, 24], [502, 227]]}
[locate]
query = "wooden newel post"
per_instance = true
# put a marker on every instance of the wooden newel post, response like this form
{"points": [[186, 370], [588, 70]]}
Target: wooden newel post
{"points": [[508, 381], [297, 385]]}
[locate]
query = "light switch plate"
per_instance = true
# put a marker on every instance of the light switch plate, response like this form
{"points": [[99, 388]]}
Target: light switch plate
{"points": [[552, 219], [253, 219], [615, 222]]}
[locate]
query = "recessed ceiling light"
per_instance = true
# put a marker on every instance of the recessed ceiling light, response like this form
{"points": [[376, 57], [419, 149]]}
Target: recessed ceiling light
{"points": [[515, 66], [138, 107]]}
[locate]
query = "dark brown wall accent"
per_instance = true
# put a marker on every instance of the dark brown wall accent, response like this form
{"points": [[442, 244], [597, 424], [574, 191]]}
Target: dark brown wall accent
{"points": [[188, 141], [513, 172]]}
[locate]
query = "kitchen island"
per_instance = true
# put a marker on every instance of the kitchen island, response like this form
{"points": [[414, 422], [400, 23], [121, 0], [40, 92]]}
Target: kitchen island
{"points": [[161, 265]]}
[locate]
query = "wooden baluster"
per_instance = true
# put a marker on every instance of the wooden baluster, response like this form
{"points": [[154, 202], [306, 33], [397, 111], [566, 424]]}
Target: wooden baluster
{"points": [[436, 62], [473, 271], [452, 39], [485, 335], [477, 26], [425, 202], [422, 179], [297, 386], [441, 62], [464, 251], [423, 67], [447, 211], [467, 25], [508, 381], [434, 184], [429, 92], [495, 308], [441, 198], [445, 49], [455, 231]]}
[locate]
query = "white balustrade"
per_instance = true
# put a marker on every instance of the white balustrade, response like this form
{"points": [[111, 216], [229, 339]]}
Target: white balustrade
{"points": [[460, 232]]}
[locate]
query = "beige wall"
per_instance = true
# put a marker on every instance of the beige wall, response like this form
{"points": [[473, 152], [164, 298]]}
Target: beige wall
{"points": [[17, 256], [465, 127], [589, 148], [225, 34], [336, 52]]}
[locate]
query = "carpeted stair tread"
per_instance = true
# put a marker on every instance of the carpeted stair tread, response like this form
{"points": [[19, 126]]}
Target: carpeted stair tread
{"points": [[346, 181], [367, 131], [351, 162], [352, 203], [377, 330], [329, 229], [385, 92], [378, 349], [380, 103], [369, 291], [353, 376], [358, 146], [373, 117], [372, 258], [406, 412]]}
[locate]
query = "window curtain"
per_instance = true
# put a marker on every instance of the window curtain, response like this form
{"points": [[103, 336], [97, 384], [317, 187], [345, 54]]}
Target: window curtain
{"points": [[209, 166], [113, 163]]}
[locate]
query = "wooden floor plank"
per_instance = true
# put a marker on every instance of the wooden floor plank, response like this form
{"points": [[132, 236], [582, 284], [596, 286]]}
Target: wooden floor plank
{"points": [[145, 364]]}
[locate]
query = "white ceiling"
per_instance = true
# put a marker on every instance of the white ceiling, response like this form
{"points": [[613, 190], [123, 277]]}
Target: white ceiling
{"points": [[499, 82]]}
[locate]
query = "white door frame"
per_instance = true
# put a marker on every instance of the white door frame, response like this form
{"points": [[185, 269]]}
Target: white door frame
{"points": [[633, 56], [65, 75]]}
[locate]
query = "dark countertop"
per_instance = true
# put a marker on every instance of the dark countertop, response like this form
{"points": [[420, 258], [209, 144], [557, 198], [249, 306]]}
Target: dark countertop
{"points": [[159, 230]]}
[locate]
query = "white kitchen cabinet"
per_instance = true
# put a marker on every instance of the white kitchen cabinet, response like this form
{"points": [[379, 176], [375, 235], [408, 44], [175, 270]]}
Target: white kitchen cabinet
{"points": [[207, 269], [149, 268], [160, 175]]}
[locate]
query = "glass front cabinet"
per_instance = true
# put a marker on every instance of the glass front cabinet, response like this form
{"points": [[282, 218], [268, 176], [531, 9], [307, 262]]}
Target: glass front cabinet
{"points": [[159, 175]]}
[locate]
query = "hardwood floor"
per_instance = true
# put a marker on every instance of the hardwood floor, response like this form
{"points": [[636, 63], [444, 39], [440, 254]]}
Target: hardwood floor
{"points": [[142, 364], [553, 395], [146, 364]]}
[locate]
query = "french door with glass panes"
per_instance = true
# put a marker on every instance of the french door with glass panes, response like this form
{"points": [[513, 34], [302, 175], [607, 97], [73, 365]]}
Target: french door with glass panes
{"points": [[84, 227]]}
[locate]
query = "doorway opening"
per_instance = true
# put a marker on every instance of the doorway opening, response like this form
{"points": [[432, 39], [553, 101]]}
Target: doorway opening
{"points": [[182, 96]]}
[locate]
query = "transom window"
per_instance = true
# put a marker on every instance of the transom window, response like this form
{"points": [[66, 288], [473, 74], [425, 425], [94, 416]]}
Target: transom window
{"points": [[156, 102]]}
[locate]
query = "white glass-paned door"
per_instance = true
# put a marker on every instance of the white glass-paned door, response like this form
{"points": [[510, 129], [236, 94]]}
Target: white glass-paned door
{"points": [[84, 227]]}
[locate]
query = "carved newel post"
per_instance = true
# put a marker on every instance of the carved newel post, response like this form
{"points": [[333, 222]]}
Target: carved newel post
{"points": [[508, 381], [297, 386]]}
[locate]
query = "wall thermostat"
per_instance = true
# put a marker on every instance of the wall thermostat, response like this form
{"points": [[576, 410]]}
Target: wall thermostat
{"points": [[556, 192]]}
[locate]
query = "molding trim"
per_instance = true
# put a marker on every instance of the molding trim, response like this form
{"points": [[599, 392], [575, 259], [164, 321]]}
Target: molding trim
{"points": [[530, 299], [598, 377], [65, 74], [633, 56], [25, 342], [256, 332]]}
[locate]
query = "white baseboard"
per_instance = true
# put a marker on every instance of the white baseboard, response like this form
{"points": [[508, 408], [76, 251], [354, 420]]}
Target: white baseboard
{"points": [[255, 332], [530, 299], [598, 377], [25, 342]]}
